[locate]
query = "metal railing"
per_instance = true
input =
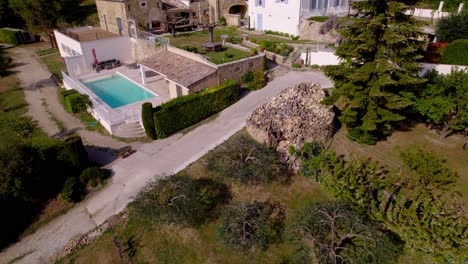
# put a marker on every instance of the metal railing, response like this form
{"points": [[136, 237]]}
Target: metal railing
{"points": [[163, 41], [109, 115]]}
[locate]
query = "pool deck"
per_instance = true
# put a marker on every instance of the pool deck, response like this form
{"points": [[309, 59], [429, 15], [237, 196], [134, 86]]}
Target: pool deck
{"points": [[156, 84]]}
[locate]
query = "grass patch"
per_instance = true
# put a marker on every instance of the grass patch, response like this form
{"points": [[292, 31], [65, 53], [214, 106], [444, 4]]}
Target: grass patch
{"points": [[55, 65], [44, 52], [318, 18], [142, 242], [227, 55]]}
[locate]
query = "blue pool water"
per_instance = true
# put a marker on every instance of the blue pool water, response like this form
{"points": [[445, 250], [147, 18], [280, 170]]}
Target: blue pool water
{"points": [[117, 91]]}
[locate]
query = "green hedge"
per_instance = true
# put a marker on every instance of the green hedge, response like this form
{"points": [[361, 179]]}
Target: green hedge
{"points": [[147, 118], [185, 111], [63, 96], [9, 36], [77, 102], [456, 53]]}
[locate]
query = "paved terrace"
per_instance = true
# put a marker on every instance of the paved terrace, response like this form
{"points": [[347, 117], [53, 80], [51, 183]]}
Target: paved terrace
{"points": [[177, 68], [83, 34]]}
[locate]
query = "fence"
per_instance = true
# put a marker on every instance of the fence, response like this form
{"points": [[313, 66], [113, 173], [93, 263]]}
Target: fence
{"points": [[106, 114], [155, 39]]}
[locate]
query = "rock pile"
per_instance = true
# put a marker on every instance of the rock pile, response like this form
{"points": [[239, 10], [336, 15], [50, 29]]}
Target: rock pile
{"points": [[291, 119]]}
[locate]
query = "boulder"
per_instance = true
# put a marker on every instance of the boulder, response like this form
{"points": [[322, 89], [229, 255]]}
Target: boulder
{"points": [[291, 119]]}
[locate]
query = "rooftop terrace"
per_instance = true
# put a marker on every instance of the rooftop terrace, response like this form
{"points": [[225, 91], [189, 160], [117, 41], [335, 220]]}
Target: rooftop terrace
{"points": [[84, 34]]}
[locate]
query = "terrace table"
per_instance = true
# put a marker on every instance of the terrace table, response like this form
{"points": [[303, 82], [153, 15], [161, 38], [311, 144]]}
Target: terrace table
{"points": [[212, 46]]}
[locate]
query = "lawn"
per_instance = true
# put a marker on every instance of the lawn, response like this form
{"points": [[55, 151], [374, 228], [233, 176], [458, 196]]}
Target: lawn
{"points": [[55, 65], [227, 55], [166, 243], [44, 52]]}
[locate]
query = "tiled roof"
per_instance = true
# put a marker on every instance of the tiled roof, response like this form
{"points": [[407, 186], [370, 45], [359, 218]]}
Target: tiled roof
{"points": [[177, 68]]}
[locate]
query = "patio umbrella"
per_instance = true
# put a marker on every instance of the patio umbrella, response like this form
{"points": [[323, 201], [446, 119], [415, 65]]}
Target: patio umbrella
{"points": [[95, 61]]}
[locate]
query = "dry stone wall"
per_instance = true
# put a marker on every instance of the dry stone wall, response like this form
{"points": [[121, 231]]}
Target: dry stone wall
{"points": [[291, 119]]}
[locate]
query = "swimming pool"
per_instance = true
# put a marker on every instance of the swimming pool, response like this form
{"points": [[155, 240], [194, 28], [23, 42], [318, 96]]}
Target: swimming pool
{"points": [[117, 90]]}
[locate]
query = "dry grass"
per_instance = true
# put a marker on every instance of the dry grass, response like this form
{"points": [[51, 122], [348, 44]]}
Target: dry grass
{"points": [[388, 151], [176, 244]]}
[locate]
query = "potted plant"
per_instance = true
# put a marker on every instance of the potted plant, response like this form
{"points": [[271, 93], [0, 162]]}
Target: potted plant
{"points": [[261, 48]]}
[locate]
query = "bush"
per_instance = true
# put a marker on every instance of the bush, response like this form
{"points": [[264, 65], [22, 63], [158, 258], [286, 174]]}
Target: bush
{"points": [[147, 118], [248, 77], [362, 137], [456, 53], [228, 55], [258, 81], [190, 48], [77, 103], [185, 111], [245, 160], [453, 27], [254, 51], [93, 176], [72, 190], [315, 66], [23, 125], [318, 18], [253, 224], [5, 62], [222, 21], [297, 66], [9, 36], [182, 200], [340, 235]]}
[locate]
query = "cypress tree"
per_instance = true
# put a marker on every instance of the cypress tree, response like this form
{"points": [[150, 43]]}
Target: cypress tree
{"points": [[379, 68]]}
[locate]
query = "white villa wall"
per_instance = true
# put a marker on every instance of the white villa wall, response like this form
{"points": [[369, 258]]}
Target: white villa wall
{"points": [[64, 40], [321, 58], [276, 16], [76, 65], [119, 48], [441, 68]]}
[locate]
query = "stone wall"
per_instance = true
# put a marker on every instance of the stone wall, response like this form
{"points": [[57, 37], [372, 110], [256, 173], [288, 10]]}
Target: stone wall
{"points": [[108, 12], [225, 5], [201, 12], [232, 20], [143, 15], [234, 70], [292, 118], [207, 82], [311, 30]]}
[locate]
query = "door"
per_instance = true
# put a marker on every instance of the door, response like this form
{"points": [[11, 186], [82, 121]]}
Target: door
{"points": [[259, 21], [132, 29], [120, 25]]}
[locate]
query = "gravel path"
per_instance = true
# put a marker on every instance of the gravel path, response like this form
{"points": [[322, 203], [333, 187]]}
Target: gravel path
{"points": [[152, 161]]}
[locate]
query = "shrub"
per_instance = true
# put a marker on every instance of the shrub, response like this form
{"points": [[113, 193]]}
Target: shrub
{"points": [[182, 200], [92, 176], [362, 137], [228, 55], [453, 27], [297, 66], [147, 118], [340, 235], [258, 81], [77, 102], [318, 18], [245, 160], [9, 36], [75, 153], [185, 111], [23, 125], [72, 190], [456, 52], [253, 224], [295, 38], [315, 66], [247, 77], [190, 48], [5, 62], [254, 51], [222, 21]]}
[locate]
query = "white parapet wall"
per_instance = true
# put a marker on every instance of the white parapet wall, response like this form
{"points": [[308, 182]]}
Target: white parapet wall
{"points": [[323, 58]]}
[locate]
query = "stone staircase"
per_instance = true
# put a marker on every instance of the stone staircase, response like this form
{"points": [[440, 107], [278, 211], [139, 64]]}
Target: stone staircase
{"points": [[130, 129]]}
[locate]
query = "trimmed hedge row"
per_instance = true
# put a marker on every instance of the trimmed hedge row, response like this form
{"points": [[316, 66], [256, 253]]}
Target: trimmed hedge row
{"points": [[147, 118], [456, 53], [185, 111]]}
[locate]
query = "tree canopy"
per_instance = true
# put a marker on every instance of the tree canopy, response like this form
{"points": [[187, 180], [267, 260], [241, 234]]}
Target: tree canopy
{"points": [[453, 27], [378, 71], [443, 103]]}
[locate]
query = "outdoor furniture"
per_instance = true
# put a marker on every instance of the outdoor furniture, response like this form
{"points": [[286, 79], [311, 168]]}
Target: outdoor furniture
{"points": [[108, 64], [212, 46]]}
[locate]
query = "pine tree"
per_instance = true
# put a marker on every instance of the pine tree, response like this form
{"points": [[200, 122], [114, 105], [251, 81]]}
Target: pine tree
{"points": [[379, 68]]}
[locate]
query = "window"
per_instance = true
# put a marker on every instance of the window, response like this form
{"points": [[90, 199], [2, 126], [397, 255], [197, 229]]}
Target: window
{"points": [[260, 3], [282, 1]]}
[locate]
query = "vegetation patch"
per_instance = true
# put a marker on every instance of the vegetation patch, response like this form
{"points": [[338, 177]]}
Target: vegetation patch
{"points": [[456, 53], [185, 111], [55, 65]]}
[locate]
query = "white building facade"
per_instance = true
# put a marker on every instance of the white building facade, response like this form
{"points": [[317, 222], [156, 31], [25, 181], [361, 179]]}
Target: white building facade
{"points": [[285, 15]]}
